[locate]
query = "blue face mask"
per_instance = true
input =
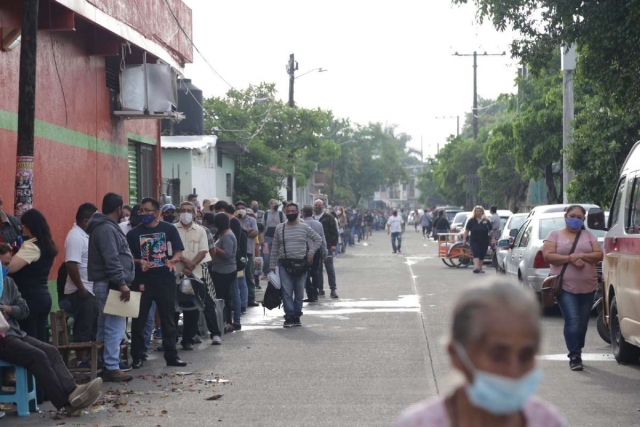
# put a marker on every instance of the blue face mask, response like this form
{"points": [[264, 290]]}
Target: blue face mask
{"points": [[147, 219], [497, 394], [574, 223], [5, 271]]}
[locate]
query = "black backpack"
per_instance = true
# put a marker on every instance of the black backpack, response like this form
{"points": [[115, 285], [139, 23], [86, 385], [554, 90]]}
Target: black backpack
{"points": [[272, 297]]}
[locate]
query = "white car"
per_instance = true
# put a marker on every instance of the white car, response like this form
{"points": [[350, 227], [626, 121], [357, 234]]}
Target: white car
{"points": [[514, 222]]}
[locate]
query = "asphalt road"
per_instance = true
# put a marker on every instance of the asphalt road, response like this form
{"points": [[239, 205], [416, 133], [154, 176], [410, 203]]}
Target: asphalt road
{"points": [[357, 361]]}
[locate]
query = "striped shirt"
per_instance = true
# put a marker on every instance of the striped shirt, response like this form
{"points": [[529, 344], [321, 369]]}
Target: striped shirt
{"points": [[295, 240]]}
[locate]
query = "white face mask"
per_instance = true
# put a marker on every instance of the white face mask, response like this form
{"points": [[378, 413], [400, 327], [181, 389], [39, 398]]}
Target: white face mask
{"points": [[242, 212], [338, 212], [186, 218]]}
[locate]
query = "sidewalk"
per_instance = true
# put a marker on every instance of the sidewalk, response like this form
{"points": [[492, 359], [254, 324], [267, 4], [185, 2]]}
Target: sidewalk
{"points": [[356, 361]]}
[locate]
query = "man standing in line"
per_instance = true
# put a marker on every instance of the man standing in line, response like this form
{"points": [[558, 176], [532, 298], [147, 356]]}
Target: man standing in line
{"points": [[157, 247], [394, 227], [351, 224], [331, 235], [271, 219], [249, 225], [292, 258], [256, 210], [169, 213], [9, 229], [194, 257], [314, 277], [110, 266], [80, 302], [193, 198]]}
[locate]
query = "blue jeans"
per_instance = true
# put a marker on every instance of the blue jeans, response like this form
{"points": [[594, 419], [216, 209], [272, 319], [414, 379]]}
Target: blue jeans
{"points": [[148, 327], [576, 310], [111, 329], [396, 236], [244, 291], [237, 302], [352, 236], [292, 289]]}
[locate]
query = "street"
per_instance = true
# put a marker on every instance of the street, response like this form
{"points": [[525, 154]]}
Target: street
{"points": [[357, 361]]}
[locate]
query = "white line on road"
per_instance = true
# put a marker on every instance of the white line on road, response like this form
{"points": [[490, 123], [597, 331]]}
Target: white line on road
{"points": [[588, 357]]}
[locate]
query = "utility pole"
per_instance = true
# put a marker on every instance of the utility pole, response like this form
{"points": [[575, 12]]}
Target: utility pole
{"points": [[568, 64], [26, 108], [292, 67], [474, 111]]}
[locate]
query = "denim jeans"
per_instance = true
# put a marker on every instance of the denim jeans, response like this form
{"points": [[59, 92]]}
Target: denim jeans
{"points": [[235, 300], [396, 236], [352, 236], [244, 292], [292, 289], [576, 310], [148, 327], [111, 329]]}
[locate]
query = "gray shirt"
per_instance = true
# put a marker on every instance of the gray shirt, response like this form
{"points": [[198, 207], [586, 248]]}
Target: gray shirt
{"points": [[495, 221], [317, 227], [249, 223], [295, 241], [225, 263], [19, 309]]}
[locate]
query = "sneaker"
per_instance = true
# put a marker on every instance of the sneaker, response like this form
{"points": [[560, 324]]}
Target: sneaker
{"points": [[575, 363], [216, 340], [476, 271], [237, 326], [296, 321], [84, 392], [157, 334], [137, 364], [253, 304], [89, 401], [288, 323], [115, 376], [334, 294], [197, 339], [124, 367]]}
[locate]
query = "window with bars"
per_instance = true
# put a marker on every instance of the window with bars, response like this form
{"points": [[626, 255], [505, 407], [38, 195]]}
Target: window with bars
{"points": [[229, 185]]}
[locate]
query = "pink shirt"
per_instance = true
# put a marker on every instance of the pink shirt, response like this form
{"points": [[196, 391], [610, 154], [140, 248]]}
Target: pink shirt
{"points": [[576, 281], [433, 413]]}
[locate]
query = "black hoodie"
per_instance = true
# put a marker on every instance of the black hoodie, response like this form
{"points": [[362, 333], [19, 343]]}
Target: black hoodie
{"points": [[109, 256]]}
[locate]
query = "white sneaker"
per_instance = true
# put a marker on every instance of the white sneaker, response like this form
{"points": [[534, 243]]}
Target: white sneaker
{"points": [[216, 340]]}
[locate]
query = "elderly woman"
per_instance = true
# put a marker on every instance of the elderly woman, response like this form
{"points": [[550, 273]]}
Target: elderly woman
{"points": [[494, 340], [580, 279], [479, 226]]}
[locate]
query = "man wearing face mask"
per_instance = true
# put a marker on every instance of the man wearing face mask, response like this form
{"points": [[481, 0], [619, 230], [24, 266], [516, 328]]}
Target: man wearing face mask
{"points": [[256, 209], [169, 213], [331, 235], [110, 266], [249, 225], [271, 219], [195, 255], [157, 248]]}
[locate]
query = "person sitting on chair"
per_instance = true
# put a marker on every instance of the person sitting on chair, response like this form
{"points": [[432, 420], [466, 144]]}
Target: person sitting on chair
{"points": [[41, 359]]}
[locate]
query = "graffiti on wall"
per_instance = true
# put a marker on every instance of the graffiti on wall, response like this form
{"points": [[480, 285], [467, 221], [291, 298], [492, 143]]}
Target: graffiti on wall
{"points": [[24, 185]]}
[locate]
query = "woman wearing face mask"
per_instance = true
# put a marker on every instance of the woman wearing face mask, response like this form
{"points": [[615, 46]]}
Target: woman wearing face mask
{"points": [[495, 337], [579, 280], [30, 269]]}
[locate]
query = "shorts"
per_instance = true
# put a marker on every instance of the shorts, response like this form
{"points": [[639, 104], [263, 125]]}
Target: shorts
{"points": [[479, 249]]}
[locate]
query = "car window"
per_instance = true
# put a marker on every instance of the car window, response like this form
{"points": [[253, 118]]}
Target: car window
{"points": [[526, 236], [617, 202], [547, 225], [632, 221], [517, 222], [460, 218], [516, 242]]}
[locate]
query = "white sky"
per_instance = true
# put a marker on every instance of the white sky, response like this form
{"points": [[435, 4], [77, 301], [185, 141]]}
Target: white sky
{"points": [[388, 61]]}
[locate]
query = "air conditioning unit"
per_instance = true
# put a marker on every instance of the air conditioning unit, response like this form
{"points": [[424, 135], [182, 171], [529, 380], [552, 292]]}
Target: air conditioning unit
{"points": [[148, 91]]}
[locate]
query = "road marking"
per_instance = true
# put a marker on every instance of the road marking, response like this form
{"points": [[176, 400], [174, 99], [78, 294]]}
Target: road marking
{"points": [[588, 357]]}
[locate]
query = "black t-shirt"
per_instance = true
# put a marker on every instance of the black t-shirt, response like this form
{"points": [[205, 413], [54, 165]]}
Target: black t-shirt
{"points": [[479, 230], [157, 245]]}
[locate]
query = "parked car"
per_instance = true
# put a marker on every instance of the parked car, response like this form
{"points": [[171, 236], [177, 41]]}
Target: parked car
{"points": [[450, 212], [621, 266], [458, 221], [514, 222], [558, 208], [524, 260]]}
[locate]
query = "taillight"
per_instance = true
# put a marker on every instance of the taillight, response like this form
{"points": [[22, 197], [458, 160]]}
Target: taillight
{"points": [[539, 261]]}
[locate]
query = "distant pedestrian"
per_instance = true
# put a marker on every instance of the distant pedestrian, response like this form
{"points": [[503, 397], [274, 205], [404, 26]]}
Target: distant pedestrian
{"points": [[292, 257], [330, 228], [479, 227], [394, 228], [495, 336], [440, 224], [425, 221], [496, 222]]}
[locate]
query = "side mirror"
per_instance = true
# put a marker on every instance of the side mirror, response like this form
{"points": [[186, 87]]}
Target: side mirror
{"points": [[504, 243], [513, 232], [596, 220]]}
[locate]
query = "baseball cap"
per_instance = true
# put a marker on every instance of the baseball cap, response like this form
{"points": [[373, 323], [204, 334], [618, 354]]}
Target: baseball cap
{"points": [[167, 207]]}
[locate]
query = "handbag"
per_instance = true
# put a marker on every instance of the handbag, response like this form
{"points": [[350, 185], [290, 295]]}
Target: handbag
{"points": [[295, 267], [552, 285]]}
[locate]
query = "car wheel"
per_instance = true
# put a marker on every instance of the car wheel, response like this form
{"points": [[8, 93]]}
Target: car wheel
{"points": [[622, 350], [603, 331]]}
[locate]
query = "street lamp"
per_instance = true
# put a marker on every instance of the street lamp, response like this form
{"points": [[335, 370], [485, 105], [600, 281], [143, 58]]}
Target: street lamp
{"points": [[320, 70]]}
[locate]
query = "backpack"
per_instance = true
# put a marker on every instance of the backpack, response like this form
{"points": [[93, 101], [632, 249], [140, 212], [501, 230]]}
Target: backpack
{"points": [[272, 297], [241, 252]]}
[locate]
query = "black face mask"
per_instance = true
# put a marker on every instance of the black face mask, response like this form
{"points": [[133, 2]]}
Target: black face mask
{"points": [[292, 217], [170, 218], [318, 210], [275, 207]]}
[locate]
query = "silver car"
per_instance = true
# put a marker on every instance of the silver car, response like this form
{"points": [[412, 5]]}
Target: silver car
{"points": [[524, 260], [514, 222]]}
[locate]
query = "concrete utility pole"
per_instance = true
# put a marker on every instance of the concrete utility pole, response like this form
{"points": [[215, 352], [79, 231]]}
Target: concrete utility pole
{"points": [[26, 108], [474, 111], [568, 65], [292, 67]]}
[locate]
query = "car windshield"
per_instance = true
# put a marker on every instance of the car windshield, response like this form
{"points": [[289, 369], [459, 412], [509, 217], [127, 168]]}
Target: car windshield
{"points": [[517, 222], [460, 217], [547, 225]]}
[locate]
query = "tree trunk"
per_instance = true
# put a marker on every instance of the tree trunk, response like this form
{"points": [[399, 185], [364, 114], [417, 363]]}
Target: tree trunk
{"points": [[552, 192], [290, 188]]}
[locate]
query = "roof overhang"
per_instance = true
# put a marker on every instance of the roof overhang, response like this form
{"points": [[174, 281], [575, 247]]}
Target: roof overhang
{"points": [[189, 142], [232, 148]]}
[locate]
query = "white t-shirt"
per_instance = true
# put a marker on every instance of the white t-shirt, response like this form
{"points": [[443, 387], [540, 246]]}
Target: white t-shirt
{"points": [[395, 223], [76, 248]]}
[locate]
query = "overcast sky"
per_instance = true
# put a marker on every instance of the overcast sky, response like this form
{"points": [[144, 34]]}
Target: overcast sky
{"points": [[388, 61]]}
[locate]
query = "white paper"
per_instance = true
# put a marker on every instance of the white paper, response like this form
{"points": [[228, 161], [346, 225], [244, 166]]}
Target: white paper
{"points": [[124, 309]]}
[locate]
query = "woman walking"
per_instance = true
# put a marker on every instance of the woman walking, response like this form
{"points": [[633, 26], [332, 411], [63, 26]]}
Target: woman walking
{"points": [[30, 269], [479, 226], [579, 281]]}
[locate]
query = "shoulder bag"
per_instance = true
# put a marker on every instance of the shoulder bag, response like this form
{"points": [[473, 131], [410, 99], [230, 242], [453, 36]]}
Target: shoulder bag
{"points": [[552, 285], [295, 267]]}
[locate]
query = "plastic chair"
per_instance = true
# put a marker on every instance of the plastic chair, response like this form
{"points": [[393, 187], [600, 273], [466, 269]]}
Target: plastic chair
{"points": [[25, 395]]}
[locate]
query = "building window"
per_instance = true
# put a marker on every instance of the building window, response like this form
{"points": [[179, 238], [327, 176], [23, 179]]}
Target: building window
{"points": [[219, 156], [228, 185], [140, 158]]}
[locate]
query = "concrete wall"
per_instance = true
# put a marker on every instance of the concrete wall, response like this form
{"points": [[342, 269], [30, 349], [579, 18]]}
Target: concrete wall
{"points": [[176, 163], [203, 177]]}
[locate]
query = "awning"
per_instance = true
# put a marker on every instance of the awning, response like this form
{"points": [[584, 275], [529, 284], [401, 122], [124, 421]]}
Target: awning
{"points": [[189, 142]]}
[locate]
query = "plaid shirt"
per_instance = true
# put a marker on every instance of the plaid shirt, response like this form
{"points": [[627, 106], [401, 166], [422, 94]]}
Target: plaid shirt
{"points": [[210, 241]]}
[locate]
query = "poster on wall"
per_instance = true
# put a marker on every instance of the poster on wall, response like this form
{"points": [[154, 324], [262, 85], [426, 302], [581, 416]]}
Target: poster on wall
{"points": [[24, 185]]}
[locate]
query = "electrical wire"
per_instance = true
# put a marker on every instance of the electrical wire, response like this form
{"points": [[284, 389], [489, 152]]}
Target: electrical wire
{"points": [[55, 62]]}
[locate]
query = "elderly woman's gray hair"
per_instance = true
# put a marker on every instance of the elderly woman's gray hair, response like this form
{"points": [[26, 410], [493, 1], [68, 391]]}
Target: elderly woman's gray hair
{"points": [[475, 305]]}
